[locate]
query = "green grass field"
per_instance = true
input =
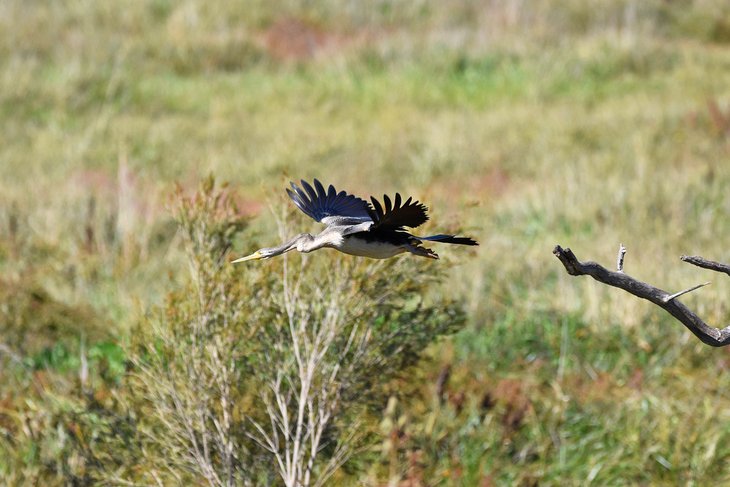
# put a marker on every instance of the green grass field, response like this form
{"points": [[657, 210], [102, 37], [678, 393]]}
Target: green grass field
{"points": [[525, 124]]}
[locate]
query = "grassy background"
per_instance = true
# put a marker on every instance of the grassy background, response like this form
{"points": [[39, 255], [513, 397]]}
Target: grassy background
{"points": [[523, 123]]}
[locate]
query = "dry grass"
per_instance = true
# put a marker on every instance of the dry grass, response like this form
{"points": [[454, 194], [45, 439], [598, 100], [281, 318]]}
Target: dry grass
{"points": [[557, 122]]}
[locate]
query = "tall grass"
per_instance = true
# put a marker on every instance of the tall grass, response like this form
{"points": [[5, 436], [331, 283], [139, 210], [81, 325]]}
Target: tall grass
{"points": [[526, 123]]}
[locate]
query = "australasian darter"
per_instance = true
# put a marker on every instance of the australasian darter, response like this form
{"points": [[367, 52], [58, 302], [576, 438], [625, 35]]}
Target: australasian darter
{"points": [[356, 227]]}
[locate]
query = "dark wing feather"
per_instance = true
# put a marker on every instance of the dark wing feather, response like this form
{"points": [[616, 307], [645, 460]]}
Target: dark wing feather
{"points": [[396, 216], [329, 207], [452, 239]]}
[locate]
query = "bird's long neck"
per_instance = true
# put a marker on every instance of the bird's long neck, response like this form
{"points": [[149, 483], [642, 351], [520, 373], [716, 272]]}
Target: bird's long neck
{"points": [[302, 242]]}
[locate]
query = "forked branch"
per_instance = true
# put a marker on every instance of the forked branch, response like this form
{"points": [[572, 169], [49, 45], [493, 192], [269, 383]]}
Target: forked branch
{"points": [[709, 335]]}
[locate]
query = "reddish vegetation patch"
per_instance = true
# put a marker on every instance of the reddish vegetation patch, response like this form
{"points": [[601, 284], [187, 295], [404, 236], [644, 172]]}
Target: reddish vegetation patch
{"points": [[6, 410], [495, 182], [714, 118], [105, 186], [603, 387], [121, 208], [457, 400], [490, 184], [247, 206], [510, 394], [720, 118], [414, 475], [292, 39], [636, 381], [40, 381], [95, 181]]}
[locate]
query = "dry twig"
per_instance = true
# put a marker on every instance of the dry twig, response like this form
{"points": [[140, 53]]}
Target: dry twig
{"points": [[707, 334]]}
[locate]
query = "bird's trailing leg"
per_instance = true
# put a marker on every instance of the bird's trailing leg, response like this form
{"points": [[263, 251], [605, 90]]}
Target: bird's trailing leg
{"points": [[421, 251]]}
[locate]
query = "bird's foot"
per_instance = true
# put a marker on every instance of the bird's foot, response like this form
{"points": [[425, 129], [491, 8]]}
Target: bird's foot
{"points": [[422, 251]]}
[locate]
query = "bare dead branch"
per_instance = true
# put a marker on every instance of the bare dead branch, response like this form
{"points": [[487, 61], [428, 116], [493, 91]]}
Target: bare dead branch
{"points": [[706, 264], [707, 334]]}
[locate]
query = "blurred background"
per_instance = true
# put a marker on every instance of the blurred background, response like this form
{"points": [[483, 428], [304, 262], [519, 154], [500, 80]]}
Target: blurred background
{"points": [[522, 123]]}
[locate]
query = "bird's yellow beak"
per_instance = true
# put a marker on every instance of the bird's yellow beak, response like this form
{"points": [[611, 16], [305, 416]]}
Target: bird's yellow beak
{"points": [[255, 256]]}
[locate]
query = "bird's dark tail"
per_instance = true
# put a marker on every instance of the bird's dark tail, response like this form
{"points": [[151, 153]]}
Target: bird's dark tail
{"points": [[451, 239]]}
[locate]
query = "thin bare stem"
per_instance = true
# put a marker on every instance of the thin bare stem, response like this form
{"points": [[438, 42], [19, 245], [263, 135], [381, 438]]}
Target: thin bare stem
{"points": [[620, 258], [688, 290]]}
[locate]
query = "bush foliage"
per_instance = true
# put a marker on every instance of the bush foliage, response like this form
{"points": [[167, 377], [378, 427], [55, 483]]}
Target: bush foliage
{"points": [[257, 375]]}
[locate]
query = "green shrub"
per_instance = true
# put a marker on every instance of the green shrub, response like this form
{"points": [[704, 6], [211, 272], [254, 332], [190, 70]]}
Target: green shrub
{"points": [[268, 373]]}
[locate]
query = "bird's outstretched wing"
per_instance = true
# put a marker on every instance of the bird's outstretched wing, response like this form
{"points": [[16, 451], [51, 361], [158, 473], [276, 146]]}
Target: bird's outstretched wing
{"points": [[397, 215], [329, 207]]}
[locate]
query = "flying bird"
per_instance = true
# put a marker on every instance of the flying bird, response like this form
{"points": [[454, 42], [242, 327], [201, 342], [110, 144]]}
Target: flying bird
{"points": [[356, 227]]}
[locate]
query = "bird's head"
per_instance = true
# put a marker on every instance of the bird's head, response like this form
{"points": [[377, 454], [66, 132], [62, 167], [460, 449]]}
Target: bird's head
{"points": [[265, 253], [268, 252]]}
